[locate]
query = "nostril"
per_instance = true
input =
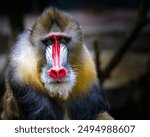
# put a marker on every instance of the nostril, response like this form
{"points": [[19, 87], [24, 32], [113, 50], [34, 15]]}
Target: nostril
{"points": [[57, 73], [62, 73], [53, 73]]}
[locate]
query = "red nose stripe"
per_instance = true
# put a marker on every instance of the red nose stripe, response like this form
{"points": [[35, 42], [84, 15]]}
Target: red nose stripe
{"points": [[56, 53], [57, 71]]}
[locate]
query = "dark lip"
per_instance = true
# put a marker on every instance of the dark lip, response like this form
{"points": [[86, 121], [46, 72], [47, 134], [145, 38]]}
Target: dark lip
{"points": [[58, 82]]}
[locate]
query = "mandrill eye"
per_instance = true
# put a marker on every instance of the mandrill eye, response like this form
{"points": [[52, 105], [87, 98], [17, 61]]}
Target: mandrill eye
{"points": [[63, 40], [48, 41]]}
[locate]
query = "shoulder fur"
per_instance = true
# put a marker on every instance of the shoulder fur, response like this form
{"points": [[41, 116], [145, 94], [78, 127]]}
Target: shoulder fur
{"points": [[25, 62]]}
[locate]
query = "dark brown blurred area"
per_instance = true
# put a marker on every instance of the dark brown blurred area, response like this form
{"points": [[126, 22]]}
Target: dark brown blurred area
{"points": [[105, 24]]}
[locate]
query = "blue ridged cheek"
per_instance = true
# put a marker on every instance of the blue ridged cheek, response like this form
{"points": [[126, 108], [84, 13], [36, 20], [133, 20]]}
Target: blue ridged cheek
{"points": [[63, 55]]}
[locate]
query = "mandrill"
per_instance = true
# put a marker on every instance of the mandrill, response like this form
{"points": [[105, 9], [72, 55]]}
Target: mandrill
{"points": [[51, 75]]}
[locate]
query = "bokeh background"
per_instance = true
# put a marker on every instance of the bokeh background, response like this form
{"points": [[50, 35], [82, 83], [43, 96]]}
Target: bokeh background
{"points": [[117, 33]]}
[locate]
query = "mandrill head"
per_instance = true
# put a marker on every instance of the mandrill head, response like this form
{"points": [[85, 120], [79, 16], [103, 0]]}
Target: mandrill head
{"points": [[57, 39]]}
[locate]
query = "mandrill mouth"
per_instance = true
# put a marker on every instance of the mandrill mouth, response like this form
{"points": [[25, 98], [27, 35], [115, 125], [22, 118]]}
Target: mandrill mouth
{"points": [[58, 81]]}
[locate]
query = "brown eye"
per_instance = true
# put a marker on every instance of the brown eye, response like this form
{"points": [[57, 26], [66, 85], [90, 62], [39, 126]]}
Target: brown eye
{"points": [[48, 41], [63, 40]]}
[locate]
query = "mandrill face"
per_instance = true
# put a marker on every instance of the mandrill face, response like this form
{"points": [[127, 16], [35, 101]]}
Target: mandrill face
{"points": [[57, 74], [57, 36]]}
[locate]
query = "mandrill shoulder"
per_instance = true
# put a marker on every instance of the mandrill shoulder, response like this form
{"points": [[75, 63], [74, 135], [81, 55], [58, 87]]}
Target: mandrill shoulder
{"points": [[24, 62], [87, 100], [88, 105]]}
